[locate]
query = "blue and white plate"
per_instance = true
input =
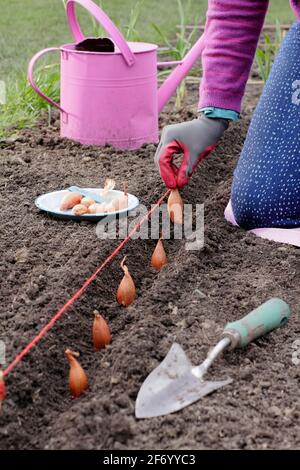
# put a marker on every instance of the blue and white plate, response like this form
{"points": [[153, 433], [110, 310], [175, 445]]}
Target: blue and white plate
{"points": [[50, 203]]}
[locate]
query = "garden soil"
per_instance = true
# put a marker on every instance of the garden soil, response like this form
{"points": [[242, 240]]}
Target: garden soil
{"points": [[44, 261]]}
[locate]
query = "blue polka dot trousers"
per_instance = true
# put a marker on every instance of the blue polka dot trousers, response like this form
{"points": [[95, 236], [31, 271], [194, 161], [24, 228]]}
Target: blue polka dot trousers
{"points": [[266, 184]]}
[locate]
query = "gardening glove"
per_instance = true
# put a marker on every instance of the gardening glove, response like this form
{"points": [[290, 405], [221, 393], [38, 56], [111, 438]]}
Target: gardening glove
{"points": [[195, 139]]}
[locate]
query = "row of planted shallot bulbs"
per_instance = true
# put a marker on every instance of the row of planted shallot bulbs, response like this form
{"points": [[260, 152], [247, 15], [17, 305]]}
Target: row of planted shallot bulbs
{"points": [[126, 294], [78, 380]]}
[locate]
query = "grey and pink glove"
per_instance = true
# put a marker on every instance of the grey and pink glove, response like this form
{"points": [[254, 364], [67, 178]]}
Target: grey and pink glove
{"points": [[195, 140]]}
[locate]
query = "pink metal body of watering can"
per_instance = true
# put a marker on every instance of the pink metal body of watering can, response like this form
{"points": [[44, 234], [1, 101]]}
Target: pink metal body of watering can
{"points": [[112, 98]]}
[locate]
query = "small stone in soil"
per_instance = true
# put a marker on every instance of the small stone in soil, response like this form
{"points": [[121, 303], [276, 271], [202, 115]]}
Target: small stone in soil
{"points": [[265, 384], [114, 380], [122, 401], [246, 374], [21, 255], [275, 411], [200, 294]]}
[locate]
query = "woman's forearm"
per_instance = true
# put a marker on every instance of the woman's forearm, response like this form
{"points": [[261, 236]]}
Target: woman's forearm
{"points": [[232, 32]]}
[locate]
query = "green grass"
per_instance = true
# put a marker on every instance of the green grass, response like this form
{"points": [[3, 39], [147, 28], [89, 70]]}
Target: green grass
{"points": [[27, 26], [280, 10]]}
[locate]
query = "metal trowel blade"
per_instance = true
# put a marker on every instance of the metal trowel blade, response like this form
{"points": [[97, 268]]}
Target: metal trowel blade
{"points": [[172, 386]]}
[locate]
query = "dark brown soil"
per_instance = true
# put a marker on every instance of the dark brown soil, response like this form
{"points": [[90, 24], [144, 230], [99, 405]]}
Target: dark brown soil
{"points": [[44, 261]]}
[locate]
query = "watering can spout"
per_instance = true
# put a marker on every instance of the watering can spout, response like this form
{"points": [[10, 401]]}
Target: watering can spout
{"points": [[173, 81]]}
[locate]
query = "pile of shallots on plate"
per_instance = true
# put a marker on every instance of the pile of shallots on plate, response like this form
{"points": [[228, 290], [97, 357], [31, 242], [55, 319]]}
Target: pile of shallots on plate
{"points": [[84, 205]]}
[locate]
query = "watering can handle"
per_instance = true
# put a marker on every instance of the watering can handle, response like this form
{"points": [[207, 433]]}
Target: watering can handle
{"points": [[32, 81], [181, 71], [104, 20]]}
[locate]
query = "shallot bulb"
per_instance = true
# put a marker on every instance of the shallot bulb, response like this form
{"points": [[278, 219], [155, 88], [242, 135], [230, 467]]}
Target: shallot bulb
{"points": [[80, 209], [70, 200], [78, 381], [87, 201], [101, 332], [126, 292], [113, 206], [109, 185], [117, 204], [123, 200], [2, 389], [97, 208], [175, 207], [159, 258]]}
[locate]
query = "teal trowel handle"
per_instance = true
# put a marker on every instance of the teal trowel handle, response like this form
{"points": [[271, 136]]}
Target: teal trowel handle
{"points": [[261, 321]]}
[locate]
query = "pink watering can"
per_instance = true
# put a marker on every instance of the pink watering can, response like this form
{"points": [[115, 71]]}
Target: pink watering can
{"points": [[112, 97]]}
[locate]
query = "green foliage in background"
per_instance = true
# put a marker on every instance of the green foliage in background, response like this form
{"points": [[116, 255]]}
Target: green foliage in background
{"points": [[184, 41], [266, 54]]}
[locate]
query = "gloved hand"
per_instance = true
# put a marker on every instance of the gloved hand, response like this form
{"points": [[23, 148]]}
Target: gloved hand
{"points": [[195, 139]]}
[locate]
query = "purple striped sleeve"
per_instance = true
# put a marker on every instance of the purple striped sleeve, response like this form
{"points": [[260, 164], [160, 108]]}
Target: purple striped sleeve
{"points": [[232, 32]]}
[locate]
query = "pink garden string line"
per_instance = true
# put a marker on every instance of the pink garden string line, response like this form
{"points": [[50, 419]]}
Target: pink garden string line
{"points": [[70, 302]]}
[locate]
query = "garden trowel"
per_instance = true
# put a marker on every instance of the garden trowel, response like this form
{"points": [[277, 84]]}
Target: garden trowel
{"points": [[176, 383]]}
